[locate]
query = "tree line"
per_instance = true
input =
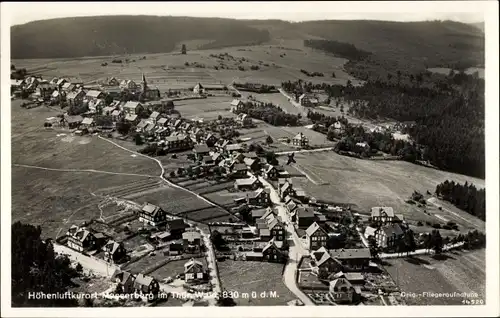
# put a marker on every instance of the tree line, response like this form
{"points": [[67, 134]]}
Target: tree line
{"points": [[340, 49], [269, 113], [464, 196]]}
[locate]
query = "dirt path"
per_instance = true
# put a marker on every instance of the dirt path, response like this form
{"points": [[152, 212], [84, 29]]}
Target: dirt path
{"points": [[211, 260], [85, 171]]}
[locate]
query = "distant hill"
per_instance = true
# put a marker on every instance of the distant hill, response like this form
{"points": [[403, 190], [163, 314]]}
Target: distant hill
{"points": [[479, 25], [407, 46], [110, 35]]}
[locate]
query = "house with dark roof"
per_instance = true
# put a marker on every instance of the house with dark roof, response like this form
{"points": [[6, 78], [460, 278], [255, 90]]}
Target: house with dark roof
{"points": [[260, 197], [73, 121], [75, 98], [285, 189], [114, 251], [176, 227], [236, 105], [125, 280], [271, 172], [200, 151], [276, 228], [252, 164], [93, 95], [304, 217], [244, 120], [389, 236], [152, 214], [300, 140], [271, 253], [145, 285], [199, 89], [194, 271], [352, 259], [316, 237]]}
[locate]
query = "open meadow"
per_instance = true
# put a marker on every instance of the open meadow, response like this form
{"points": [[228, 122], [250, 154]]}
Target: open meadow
{"points": [[369, 183], [458, 271], [247, 277]]}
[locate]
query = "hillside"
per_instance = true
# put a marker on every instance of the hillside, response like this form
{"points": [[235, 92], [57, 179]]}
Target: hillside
{"points": [[109, 35], [411, 45]]}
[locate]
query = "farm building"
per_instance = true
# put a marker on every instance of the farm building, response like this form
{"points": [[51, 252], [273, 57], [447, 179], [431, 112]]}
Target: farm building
{"points": [[152, 214], [199, 89], [316, 237], [300, 140], [194, 271], [73, 121], [244, 120]]}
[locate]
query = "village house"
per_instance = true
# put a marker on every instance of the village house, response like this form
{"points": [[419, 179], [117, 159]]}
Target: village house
{"points": [[352, 259], [271, 172], [272, 253], [56, 96], [216, 157], [73, 121], [113, 82], [233, 148], [128, 85], [292, 207], [178, 143], [252, 164], [238, 157], [125, 280], [308, 100], [68, 87], [341, 290], [134, 119], [244, 120], [238, 170], [60, 82], [191, 240], [16, 84], [146, 285], [199, 89], [154, 117], [201, 151], [194, 271], [304, 217], [87, 123], [324, 264], [247, 184], [382, 214], [261, 197], [316, 237], [80, 239], [236, 105], [114, 251], [285, 189], [221, 144], [211, 140], [75, 98], [94, 95], [389, 236], [132, 108], [176, 227], [300, 140], [174, 248], [276, 228], [257, 214], [162, 122], [352, 277], [152, 214]]}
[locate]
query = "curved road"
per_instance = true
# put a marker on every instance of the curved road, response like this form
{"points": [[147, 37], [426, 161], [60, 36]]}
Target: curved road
{"points": [[211, 260]]}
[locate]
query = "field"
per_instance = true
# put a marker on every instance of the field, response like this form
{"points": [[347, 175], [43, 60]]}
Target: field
{"points": [[168, 70], [369, 183], [461, 272], [173, 268], [247, 277], [208, 109]]}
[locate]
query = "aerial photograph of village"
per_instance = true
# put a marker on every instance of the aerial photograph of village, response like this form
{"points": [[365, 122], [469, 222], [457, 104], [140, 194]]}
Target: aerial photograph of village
{"points": [[163, 161]]}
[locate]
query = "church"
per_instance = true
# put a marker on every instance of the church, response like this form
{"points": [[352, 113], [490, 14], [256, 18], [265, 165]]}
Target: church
{"points": [[148, 93]]}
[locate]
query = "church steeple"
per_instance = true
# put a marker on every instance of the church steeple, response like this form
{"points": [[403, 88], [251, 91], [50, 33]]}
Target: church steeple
{"points": [[144, 84]]}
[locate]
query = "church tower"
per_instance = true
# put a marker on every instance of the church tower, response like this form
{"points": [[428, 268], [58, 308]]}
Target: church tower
{"points": [[144, 84]]}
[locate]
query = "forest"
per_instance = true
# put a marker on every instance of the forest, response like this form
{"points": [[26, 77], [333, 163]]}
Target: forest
{"points": [[464, 196], [448, 112], [340, 49]]}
